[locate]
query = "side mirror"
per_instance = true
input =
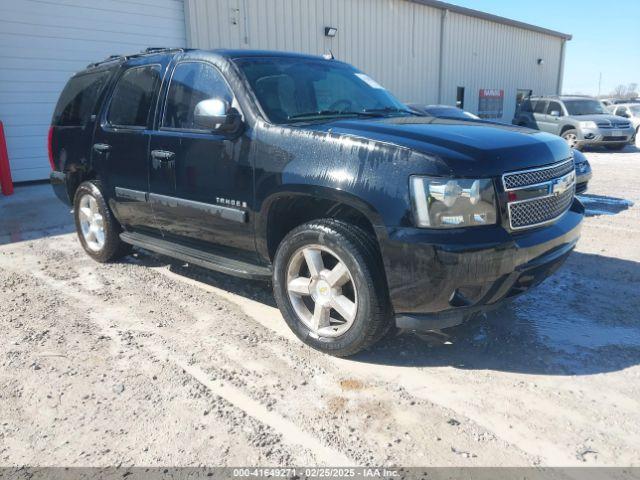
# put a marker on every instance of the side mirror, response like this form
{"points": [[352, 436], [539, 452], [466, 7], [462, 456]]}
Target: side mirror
{"points": [[555, 113], [215, 114]]}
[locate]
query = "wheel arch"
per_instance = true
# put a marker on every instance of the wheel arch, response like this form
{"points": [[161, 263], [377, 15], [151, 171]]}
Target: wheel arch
{"points": [[285, 210], [566, 128]]}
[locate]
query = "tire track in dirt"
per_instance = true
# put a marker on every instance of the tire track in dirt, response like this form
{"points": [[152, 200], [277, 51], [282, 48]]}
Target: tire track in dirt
{"points": [[289, 432]]}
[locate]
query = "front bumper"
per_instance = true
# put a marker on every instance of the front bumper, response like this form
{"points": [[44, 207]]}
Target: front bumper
{"points": [[599, 136], [437, 279]]}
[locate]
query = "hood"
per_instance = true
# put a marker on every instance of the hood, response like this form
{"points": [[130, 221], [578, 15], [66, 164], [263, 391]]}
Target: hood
{"points": [[463, 147], [601, 118]]}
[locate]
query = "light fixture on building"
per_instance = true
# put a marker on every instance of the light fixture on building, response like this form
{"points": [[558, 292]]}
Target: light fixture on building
{"points": [[330, 31], [540, 61]]}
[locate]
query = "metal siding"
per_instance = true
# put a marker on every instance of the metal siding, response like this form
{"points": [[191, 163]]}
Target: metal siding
{"points": [[396, 41], [43, 42], [483, 54]]}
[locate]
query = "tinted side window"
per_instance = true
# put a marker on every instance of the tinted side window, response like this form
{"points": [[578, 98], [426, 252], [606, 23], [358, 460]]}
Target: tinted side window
{"points": [[191, 83], [78, 99], [554, 106], [539, 108], [132, 99]]}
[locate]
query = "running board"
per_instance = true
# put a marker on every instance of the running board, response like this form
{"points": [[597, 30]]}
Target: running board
{"points": [[211, 261]]}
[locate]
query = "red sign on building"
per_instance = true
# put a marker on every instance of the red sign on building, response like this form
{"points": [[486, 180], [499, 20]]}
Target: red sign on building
{"points": [[490, 103]]}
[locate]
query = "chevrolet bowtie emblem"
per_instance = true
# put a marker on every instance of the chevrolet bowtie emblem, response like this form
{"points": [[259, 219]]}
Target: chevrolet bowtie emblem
{"points": [[562, 184]]}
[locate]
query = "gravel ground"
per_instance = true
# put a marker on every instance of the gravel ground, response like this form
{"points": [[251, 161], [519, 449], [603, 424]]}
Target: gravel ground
{"points": [[152, 362]]}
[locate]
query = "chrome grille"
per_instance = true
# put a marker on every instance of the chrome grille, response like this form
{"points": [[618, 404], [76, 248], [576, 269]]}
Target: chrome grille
{"points": [[539, 195], [540, 210], [536, 175], [622, 124]]}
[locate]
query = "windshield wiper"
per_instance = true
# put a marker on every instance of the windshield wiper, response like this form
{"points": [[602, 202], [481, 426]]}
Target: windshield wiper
{"points": [[392, 110], [334, 113]]}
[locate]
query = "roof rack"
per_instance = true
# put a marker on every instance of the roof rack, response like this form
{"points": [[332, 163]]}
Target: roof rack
{"points": [[146, 51], [110, 58], [158, 49], [560, 96]]}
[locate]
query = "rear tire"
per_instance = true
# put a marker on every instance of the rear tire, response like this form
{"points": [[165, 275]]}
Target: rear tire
{"points": [[571, 137], [615, 146], [305, 268], [97, 228]]}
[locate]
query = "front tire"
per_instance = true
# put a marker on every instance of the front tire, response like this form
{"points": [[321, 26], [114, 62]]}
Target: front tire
{"points": [[97, 228], [330, 286], [571, 137]]}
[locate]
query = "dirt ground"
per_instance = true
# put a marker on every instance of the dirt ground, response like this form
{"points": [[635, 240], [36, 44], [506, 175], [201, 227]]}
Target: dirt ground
{"points": [[152, 362]]}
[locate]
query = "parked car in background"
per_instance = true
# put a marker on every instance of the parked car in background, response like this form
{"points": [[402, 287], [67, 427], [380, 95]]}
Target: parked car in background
{"points": [[583, 171], [581, 121], [630, 111], [443, 111]]}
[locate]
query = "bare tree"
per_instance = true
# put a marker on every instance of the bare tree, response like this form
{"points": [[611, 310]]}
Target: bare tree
{"points": [[620, 91], [625, 91]]}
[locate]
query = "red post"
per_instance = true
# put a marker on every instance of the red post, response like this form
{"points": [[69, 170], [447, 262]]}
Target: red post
{"points": [[6, 183]]}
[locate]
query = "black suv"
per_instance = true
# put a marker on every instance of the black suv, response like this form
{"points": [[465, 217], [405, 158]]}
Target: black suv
{"points": [[304, 170]]}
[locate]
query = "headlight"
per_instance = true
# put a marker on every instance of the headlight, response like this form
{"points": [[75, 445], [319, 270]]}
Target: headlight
{"points": [[452, 203], [588, 124]]}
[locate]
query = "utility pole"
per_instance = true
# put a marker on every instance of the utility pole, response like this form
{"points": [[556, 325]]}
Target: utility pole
{"points": [[599, 84]]}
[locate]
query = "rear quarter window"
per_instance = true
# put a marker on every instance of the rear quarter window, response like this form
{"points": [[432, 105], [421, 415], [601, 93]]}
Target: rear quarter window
{"points": [[78, 99], [132, 101]]}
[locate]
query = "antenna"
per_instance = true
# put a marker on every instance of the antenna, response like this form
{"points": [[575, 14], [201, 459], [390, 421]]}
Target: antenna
{"points": [[329, 56]]}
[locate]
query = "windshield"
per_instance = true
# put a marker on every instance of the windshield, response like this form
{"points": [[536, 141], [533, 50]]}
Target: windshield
{"points": [[584, 107], [450, 112], [297, 90]]}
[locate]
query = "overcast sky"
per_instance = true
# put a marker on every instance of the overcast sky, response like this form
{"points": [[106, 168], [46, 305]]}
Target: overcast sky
{"points": [[606, 37]]}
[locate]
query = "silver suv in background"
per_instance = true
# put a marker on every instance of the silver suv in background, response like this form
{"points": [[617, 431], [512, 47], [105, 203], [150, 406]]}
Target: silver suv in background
{"points": [[630, 111], [581, 121]]}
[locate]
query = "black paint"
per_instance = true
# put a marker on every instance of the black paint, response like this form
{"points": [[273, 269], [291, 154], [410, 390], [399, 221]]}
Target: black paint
{"points": [[363, 163]]}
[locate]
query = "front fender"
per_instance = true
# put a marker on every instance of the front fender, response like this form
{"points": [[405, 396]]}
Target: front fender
{"points": [[317, 192]]}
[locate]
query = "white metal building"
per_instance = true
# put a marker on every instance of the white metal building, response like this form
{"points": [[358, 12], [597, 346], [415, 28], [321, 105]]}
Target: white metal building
{"points": [[425, 51], [43, 42]]}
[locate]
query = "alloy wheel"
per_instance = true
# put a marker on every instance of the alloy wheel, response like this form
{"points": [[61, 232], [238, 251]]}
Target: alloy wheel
{"points": [[322, 291], [571, 139], [91, 223]]}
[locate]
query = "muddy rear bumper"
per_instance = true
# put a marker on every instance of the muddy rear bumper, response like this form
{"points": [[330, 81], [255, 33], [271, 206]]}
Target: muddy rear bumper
{"points": [[437, 280], [60, 184]]}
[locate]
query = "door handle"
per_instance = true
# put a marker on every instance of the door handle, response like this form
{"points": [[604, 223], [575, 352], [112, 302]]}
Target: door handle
{"points": [[162, 158], [162, 155], [101, 147]]}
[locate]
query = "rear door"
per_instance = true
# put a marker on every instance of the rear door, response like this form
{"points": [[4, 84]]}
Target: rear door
{"points": [[121, 143], [201, 182]]}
